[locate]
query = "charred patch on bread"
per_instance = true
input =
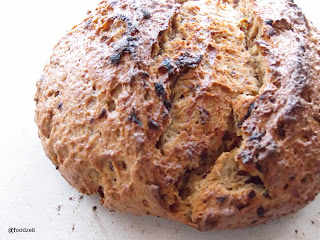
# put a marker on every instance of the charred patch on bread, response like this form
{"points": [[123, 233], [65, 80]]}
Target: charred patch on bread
{"points": [[153, 124], [133, 118], [257, 136], [272, 32], [115, 58], [245, 156], [167, 104], [168, 66], [132, 30], [281, 131], [60, 105], [242, 206], [127, 46], [160, 90], [269, 22], [188, 60], [221, 199], [110, 166], [267, 194], [102, 114], [260, 212], [252, 194], [204, 115], [259, 167], [247, 115], [255, 180], [146, 14], [100, 191], [181, 65]]}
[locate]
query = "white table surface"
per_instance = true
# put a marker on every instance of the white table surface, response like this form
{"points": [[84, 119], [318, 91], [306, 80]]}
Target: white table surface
{"points": [[32, 191]]}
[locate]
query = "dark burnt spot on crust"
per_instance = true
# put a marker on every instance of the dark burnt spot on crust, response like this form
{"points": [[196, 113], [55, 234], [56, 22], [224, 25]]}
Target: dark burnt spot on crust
{"points": [[255, 180], [124, 165], [260, 212], [145, 75], [100, 191], [248, 114], [245, 156], [110, 166], [293, 177], [281, 131], [252, 194], [267, 194], [257, 136], [125, 19], [133, 118], [187, 60], [160, 90], [146, 14], [60, 105], [204, 155], [272, 32], [127, 46], [167, 104], [242, 206], [204, 115], [102, 114], [182, 64], [303, 180], [269, 22], [303, 48], [153, 124], [204, 175], [167, 66], [115, 58], [259, 167], [131, 28], [221, 199]]}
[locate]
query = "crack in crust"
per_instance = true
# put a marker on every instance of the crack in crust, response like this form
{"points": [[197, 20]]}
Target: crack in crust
{"points": [[187, 110]]}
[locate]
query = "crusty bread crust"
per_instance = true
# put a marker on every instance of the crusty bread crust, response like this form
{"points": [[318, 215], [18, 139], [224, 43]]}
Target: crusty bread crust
{"points": [[204, 112]]}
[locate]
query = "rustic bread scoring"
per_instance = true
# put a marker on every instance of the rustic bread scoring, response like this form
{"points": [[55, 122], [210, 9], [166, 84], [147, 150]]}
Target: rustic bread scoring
{"points": [[204, 112]]}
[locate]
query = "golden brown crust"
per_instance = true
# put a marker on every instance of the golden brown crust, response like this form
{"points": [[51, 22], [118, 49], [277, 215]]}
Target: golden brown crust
{"points": [[203, 112]]}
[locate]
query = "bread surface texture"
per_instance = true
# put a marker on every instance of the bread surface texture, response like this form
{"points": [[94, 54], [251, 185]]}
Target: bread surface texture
{"points": [[203, 112]]}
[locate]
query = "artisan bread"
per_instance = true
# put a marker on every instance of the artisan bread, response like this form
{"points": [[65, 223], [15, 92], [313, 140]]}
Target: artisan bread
{"points": [[203, 112]]}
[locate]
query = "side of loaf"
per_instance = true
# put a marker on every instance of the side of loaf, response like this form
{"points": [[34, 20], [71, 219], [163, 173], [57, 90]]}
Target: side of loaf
{"points": [[204, 112]]}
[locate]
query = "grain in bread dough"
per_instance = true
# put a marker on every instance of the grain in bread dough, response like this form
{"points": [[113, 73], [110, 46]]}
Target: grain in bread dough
{"points": [[204, 112]]}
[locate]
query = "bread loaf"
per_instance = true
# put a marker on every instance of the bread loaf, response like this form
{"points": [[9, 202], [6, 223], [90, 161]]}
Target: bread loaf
{"points": [[203, 112]]}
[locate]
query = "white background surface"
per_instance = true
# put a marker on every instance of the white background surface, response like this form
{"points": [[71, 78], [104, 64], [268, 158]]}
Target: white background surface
{"points": [[31, 189]]}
